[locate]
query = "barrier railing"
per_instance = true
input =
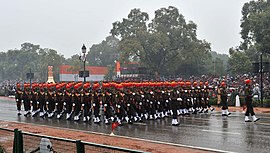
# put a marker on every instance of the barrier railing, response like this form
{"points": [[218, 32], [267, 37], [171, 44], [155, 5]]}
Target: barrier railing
{"points": [[6, 140], [25, 142]]}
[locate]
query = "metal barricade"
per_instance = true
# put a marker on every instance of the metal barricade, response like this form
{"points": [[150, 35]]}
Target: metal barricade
{"points": [[24, 142], [6, 140]]}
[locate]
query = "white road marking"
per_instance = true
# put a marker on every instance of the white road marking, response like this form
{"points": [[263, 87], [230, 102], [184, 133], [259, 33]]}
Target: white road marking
{"points": [[221, 132], [138, 123]]}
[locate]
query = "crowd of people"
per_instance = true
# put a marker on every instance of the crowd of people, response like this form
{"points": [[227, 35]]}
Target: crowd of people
{"points": [[7, 87]]}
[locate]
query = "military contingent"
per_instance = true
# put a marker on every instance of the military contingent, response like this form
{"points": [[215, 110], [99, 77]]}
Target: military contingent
{"points": [[116, 101]]}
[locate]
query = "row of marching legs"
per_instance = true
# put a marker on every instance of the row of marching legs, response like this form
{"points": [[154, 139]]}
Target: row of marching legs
{"points": [[119, 114]]}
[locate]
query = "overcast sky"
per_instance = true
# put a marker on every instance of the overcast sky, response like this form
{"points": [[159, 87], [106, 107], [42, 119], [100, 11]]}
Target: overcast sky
{"points": [[64, 25]]}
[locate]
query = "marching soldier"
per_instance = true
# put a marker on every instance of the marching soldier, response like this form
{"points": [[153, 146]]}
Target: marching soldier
{"points": [[248, 100], [96, 98], [42, 100], [76, 99], [34, 99], [174, 100], [26, 99], [224, 101], [107, 106], [18, 98], [51, 94], [59, 101], [68, 102], [119, 109], [86, 102]]}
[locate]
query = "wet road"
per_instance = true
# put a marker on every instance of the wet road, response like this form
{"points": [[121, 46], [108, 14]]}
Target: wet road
{"points": [[211, 131]]}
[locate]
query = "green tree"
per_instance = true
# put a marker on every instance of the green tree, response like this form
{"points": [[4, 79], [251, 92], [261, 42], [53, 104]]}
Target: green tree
{"points": [[219, 63], [163, 47], [16, 63], [75, 63], [239, 62], [255, 25], [103, 54]]}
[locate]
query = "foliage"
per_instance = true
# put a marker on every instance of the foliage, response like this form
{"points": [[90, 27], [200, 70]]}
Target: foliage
{"points": [[256, 25], [16, 63], [103, 54], [167, 45], [219, 63], [75, 63], [255, 32], [239, 62], [111, 74]]}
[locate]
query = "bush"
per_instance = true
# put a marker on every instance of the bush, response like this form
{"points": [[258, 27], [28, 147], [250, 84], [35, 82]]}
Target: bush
{"points": [[266, 103]]}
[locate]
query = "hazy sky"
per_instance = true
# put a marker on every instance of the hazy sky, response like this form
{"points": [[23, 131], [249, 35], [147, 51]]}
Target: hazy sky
{"points": [[64, 25]]}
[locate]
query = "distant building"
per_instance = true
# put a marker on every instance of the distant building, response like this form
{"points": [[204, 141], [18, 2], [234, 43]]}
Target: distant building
{"points": [[96, 73], [130, 70]]}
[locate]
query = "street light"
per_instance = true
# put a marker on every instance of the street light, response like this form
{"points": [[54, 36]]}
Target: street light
{"points": [[261, 67], [84, 51], [261, 71]]}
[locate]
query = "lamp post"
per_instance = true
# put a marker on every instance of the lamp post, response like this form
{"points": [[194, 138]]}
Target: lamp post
{"points": [[214, 62], [84, 51], [261, 71]]}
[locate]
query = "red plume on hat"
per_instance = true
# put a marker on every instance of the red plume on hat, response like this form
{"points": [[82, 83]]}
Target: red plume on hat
{"points": [[96, 86], [223, 84], [58, 87], [105, 85], [86, 85], [188, 83], [201, 83], [18, 85], [247, 81]]}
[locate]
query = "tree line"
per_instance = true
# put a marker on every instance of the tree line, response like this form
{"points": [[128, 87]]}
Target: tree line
{"points": [[167, 45]]}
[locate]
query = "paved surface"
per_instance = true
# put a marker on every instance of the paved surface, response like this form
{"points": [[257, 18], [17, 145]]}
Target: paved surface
{"points": [[212, 131]]}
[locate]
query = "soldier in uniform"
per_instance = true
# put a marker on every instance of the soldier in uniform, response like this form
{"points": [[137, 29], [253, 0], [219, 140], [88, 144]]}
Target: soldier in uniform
{"points": [[68, 102], [18, 98], [119, 109], [160, 104], [34, 99], [51, 101], [41, 100], [174, 100], [76, 99], [248, 100], [59, 101], [223, 98], [96, 98], [206, 98], [86, 102], [107, 102], [26, 99]]}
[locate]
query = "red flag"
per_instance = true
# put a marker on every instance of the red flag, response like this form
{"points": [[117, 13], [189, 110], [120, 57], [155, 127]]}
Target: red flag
{"points": [[114, 125]]}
